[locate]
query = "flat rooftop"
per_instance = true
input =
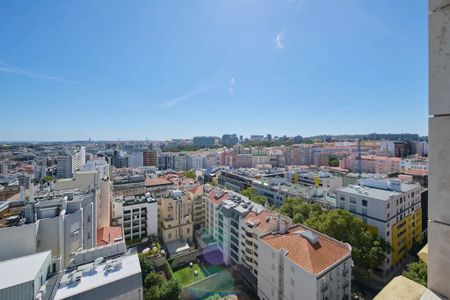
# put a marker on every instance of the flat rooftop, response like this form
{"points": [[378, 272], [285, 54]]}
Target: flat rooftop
{"points": [[92, 277], [22, 269], [369, 192]]}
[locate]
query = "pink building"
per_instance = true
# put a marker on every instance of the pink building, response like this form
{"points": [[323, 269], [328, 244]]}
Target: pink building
{"points": [[371, 164]]}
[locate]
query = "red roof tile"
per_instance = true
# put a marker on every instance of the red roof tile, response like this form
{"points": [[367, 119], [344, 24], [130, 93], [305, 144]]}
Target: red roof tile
{"points": [[107, 235], [312, 258]]}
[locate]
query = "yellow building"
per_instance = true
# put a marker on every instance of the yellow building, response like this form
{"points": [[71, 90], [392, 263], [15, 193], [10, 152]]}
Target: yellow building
{"points": [[392, 210]]}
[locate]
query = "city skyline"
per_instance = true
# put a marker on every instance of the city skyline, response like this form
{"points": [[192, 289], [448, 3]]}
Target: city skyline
{"points": [[175, 70]]}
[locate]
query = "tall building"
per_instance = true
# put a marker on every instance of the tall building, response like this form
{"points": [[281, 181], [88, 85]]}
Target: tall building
{"points": [[175, 217], [194, 162], [137, 214], [150, 158], [300, 263], [205, 141], [64, 167], [135, 159], [229, 139], [392, 210]]}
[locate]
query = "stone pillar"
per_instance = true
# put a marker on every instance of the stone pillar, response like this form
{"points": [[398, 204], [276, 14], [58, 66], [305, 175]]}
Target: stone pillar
{"points": [[439, 150]]}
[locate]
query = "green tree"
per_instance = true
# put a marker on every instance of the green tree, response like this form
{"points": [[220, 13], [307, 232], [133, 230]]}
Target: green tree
{"points": [[368, 251], [171, 290], [48, 178], [189, 174], [146, 265], [253, 196], [153, 279], [417, 271]]}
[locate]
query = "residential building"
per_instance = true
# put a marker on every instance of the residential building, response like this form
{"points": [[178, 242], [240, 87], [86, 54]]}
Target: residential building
{"points": [[371, 164], [22, 278], [61, 221], [137, 214], [414, 164], [64, 166], [252, 227], [195, 194], [325, 180], [392, 210], [175, 217], [300, 263], [129, 185], [150, 158], [180, 161], [402, 149], [194, 162], [166, 161], [135, 159], [229, 139]]}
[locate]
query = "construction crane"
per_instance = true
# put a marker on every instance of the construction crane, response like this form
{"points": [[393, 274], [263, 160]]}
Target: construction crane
{"points": [[359, 158]]}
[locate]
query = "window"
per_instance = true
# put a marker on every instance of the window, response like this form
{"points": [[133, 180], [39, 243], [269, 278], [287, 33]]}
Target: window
{"points": [[387, 206], [292, 282], [342, 198], [387, 233], [364, 211], [352, 208], [364, 203], [292, 269], [352, 200]]}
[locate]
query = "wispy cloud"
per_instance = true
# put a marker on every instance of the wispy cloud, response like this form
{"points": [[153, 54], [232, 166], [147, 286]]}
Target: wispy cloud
{"points": [[174, 101], [232, 85], [279, 40], [295, 3], [4, 67]]}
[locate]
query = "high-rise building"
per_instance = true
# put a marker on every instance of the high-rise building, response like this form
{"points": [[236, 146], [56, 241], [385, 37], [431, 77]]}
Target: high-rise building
{"points": [[135, 159], [229, 139], [150, 158], [205, 141]]}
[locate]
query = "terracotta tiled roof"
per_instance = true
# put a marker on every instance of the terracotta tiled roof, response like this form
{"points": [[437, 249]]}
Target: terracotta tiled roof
{"points": [[264, 221], [215, 197], [312, 258], [157, 181], [196, 189], [107, 235]]}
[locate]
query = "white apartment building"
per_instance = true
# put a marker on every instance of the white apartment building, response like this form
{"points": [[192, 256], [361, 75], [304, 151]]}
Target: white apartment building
{"points": [[414, 164], [180, 161], [194, 162], [325, 180], [392, 210], [63, 222], [135, 159], [387, 148], [137, 214], [258, 160], [71, 162], [300, 263]]}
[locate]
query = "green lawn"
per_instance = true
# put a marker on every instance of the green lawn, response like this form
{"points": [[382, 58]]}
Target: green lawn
{"points": [[186, 275]]}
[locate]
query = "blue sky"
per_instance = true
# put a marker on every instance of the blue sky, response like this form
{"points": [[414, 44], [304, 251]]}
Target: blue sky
{"points": [[175, 69]]}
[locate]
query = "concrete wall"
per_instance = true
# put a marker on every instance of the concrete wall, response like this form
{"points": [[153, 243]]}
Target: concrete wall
{"points": [[439, 148], [18, 241]]}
